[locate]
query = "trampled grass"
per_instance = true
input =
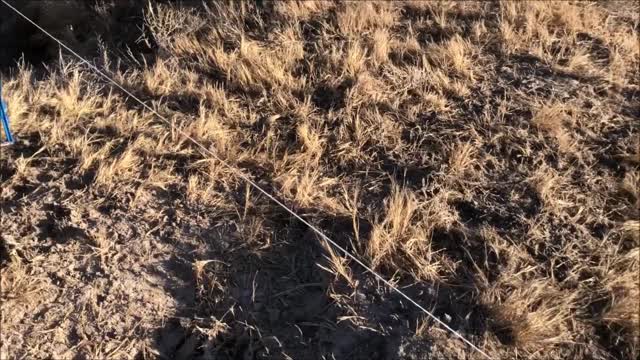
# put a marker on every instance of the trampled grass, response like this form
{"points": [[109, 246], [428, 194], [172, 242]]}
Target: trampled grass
{"points": [[484, 156]]}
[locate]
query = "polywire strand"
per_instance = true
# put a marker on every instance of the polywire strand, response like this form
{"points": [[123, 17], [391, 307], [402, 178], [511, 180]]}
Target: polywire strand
{"points": [[256, 186]]}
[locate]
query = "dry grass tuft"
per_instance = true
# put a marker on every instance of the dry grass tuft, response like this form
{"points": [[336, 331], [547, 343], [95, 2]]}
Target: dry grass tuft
{"points": [[553, 120], [534, 316], [622, 316], [398, 241]]}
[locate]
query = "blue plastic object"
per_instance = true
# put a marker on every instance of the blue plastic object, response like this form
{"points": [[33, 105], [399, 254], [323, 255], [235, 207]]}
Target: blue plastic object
{"points": [[4, 117]]}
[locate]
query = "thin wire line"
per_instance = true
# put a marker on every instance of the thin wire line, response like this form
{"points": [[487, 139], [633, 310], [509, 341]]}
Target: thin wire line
{"points": [[257, 187]]}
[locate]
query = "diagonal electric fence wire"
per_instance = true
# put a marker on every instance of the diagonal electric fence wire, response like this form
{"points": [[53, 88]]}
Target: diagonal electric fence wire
{"points": [[244, 177]]}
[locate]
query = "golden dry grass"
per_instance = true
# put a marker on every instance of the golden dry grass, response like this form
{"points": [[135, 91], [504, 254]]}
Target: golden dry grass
{"points": [[483, 156]]}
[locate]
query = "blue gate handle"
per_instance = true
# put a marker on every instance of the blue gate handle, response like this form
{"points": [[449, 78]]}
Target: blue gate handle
{"points": [[4, 117]]}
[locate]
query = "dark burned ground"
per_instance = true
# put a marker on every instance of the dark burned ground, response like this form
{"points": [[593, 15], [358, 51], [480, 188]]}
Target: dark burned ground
{"points": [[275, 302], [138, 270]]}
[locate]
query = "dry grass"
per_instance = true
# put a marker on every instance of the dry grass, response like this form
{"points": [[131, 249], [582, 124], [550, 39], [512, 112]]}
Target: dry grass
{"points": [[483, 156]]}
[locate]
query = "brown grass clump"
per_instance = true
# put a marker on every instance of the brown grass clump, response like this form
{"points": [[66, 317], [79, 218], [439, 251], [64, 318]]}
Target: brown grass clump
{"points": [[483, 156], [534, 316], [552, 119], [622, 315], [399, 242]]}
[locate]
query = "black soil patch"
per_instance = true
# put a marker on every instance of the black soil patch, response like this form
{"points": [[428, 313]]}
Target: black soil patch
{"points": [[83, 25], [327, 96]]}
